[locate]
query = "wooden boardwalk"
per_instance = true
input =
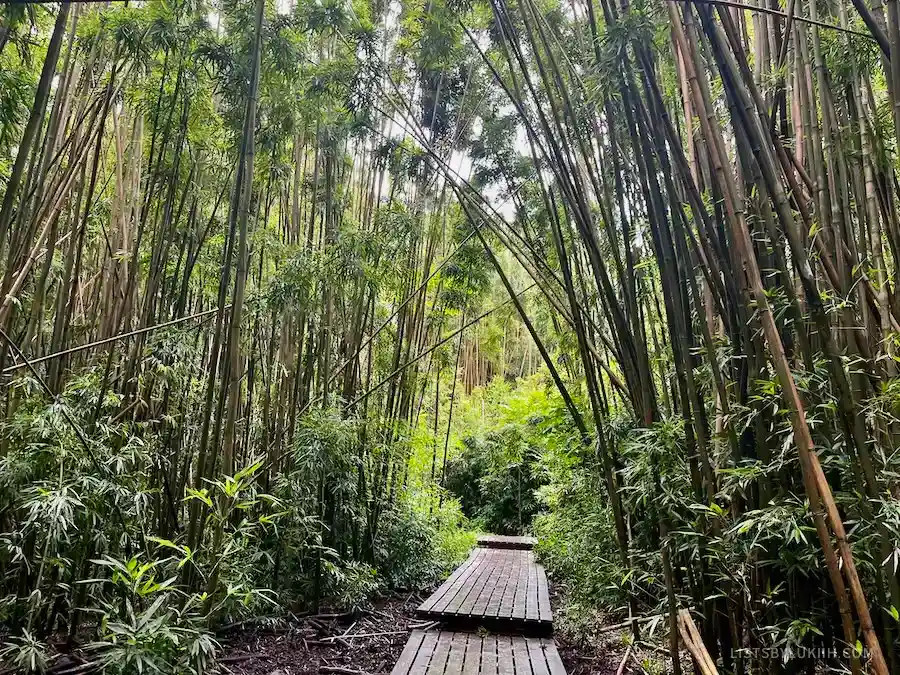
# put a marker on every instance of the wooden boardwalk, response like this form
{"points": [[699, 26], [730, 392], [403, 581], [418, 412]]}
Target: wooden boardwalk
{"points": [[497, 588], [501, 588], [505, 541], [450, 653]]}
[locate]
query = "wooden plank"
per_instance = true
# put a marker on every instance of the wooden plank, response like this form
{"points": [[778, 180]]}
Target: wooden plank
{"points": [[518, 606], [505, 665], [476, 603], [441, 653], [509, 592], [531, 598], [423, 658], [472, 660], [448, 592], [455, 594], [493, 606], [468, 603], [551, 654], [502, 564], [409, 653], [497, 588], [506, 541], [537, 656], [489, 655], [451, 653], [495, 581], [544, 595], [456, 657], [452, 581], [520, 656], [473, 582]]}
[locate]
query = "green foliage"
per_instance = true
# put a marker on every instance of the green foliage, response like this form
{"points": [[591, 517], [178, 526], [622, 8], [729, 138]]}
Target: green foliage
{"points": [[149, 625], [577, 541], [497, 478], [501, 471], [415, 547], [352, 585], [26, 653]]}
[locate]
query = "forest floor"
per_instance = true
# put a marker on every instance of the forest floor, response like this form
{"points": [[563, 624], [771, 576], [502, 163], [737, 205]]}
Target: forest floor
{"points": [[584, 654], [310, 645], [369, 642], [588, 646]]}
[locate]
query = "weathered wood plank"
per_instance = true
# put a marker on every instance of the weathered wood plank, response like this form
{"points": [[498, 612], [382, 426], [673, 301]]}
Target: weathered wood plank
{"points": [[498, 588], [554, 662], [518, 606], [449, 589], [472, 660], [495, 582], [520, 656], [489, 655], [509, 592], [474, 583], [506, 541], [453, 581], [537, 656], [493, 605], [531, 599], [441, 653], [457, 654], [544, 595], [450, 653], [468, 604], [423, 657], [410, 651], [505, 664]]}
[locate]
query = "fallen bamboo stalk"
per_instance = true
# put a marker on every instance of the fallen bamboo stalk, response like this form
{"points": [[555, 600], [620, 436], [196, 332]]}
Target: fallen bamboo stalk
{"points": [[627, 624], [694, 643], [238, 658], [363, 635], [114, 338], [621, 668], [652, 647]]}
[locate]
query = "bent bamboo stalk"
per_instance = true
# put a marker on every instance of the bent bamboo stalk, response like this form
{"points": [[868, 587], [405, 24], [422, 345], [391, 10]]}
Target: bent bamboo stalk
{"points": [[694, 643]]}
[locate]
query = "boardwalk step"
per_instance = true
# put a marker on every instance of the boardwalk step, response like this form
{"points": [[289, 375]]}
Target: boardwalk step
{"points": [[500, 589], [451, 653], [506, 541]]}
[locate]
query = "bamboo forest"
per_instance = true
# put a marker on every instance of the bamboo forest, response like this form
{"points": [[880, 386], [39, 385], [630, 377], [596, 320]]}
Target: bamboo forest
{"points": [[514, 337]]}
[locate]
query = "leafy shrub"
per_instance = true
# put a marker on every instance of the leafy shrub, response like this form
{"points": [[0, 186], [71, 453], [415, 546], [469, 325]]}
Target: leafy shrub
{"points": [[577, 545], [352, 585], [454, 537], [161, 636], [496, 479], [25, 653], [415, 548]]}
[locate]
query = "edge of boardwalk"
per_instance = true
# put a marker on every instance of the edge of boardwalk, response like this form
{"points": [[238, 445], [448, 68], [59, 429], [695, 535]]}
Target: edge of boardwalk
{"points": [[441, 652], [519, 617], [506, 541], [503, 590]]}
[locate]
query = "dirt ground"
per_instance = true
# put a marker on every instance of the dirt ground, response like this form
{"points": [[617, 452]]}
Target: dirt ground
{"points": [[592, 654], [368, 642]]}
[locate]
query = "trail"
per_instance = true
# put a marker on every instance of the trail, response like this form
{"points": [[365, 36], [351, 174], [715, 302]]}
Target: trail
{"points": [[500, 587]]}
